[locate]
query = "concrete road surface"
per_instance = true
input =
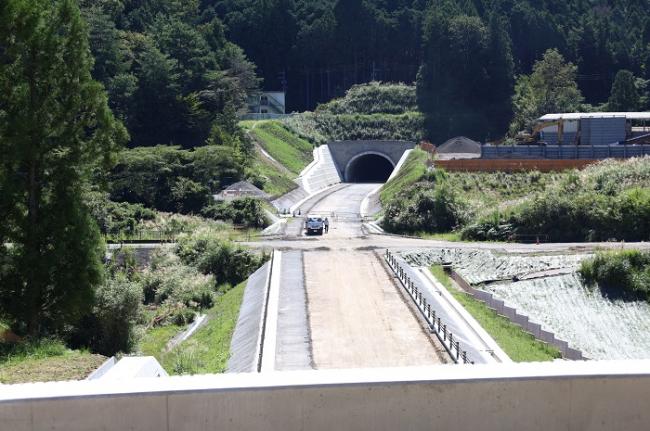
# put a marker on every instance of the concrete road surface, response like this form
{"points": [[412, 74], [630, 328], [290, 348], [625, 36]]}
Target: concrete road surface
{"points": [[357, 316], [341, 204]]}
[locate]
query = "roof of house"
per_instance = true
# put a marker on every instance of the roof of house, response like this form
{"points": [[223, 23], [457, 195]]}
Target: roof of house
{"points": [[579, 115]]}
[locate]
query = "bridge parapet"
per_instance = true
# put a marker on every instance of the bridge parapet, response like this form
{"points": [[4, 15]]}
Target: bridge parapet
{"points": [[596, 395]]}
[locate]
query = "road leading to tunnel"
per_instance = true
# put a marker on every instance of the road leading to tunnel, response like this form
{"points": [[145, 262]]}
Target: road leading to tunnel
{"points": [[357, 316], [342, 207]]}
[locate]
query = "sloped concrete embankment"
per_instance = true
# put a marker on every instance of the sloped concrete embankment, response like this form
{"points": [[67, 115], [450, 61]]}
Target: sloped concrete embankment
{"points": [[320, 174], [462, 336], [247, 339], [272, 331], [519, 319]]}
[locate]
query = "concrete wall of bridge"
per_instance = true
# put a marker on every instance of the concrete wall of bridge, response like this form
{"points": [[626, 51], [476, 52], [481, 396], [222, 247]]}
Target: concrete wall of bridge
{"points": [[537, 396]]}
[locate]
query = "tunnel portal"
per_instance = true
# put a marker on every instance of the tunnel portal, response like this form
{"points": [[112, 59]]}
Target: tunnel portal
{"points": [[369, 168]]}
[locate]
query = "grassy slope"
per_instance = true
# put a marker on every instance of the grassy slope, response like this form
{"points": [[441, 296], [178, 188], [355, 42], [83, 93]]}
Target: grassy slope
{"points": [[155, 339], [288, 149], [44, 362], [412, 171], [518, 345], [208, 350], [278, 182]]}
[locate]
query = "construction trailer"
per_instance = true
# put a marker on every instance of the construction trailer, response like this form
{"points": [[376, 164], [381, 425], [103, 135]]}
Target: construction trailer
{"points": [[593, 128]]}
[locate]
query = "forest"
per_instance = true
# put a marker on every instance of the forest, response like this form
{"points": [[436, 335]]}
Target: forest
{"points": [[319, 48], [193, 62]]}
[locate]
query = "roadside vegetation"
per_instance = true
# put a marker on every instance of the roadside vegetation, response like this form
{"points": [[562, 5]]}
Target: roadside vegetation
{"points": [[619, 274], [518, 344], [412, 171], [208, 350], [606, 201]]}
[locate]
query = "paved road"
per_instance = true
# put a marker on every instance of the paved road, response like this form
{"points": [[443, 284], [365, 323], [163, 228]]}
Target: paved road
{"points": [[357, 317], [341, 204]]}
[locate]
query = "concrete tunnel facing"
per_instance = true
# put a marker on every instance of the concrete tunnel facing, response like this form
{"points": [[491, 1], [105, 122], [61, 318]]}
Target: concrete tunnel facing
{"points": [[369, 168]]}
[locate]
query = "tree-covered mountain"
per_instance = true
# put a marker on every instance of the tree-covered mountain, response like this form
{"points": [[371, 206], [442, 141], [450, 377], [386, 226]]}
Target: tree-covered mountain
{"points": [[174, 70], [325, 46], [465, 54], [171, 74]]}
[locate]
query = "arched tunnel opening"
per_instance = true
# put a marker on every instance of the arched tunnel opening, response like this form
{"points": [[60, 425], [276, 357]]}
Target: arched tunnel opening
{"points": [[368, 168]]}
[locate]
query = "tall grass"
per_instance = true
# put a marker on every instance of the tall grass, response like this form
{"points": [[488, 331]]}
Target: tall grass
{"points": [[621, 273], [208, 350]]}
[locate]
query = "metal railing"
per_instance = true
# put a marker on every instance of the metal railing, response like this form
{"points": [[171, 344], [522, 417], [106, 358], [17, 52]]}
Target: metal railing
{"points": [[436, 325]]}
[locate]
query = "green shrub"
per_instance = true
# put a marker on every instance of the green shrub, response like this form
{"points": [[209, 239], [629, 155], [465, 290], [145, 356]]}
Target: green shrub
{"points": [[179, 291], [111, 328], [619, 273], [578, 216], [170, 179], [114, 218], [246, 211], [227, 262], [374, 98], [427, 209], [188, 196]]}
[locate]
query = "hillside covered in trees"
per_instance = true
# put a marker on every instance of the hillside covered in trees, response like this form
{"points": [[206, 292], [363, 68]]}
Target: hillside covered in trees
{"points": [[178, 71], [465, 54]]}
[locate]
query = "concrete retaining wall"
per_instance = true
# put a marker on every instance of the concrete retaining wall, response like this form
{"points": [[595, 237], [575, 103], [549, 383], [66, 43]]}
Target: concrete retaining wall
{"points": [[519, 319], [555, 396], [322, 173]]}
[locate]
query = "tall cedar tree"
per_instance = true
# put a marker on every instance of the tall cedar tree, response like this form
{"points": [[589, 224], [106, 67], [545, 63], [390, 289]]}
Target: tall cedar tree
{"points": [[55, 126], [624, 96]]}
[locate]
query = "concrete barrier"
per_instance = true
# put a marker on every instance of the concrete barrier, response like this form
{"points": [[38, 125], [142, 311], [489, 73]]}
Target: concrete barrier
{"points": [[560, 395]]}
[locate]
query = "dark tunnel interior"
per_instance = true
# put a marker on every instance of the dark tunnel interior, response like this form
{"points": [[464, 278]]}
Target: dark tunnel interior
{"points": [[370, 168]]}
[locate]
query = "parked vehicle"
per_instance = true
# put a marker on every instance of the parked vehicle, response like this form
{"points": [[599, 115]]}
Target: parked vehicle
{"points": [[314, 225]]}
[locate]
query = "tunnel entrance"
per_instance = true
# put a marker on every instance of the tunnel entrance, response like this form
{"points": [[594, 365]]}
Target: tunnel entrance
{"points": [[368, 168]]}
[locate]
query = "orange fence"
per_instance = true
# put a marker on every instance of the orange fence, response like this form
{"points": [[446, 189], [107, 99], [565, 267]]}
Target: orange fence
{"points": [[512, 165]]}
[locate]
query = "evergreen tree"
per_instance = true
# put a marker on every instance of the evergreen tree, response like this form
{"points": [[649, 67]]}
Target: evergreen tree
{"points": [[55, 125], [624, 96], [550, 88], [465, 82]]}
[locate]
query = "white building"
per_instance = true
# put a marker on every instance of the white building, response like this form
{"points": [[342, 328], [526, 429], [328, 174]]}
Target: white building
{"points": [[266, 104]]}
